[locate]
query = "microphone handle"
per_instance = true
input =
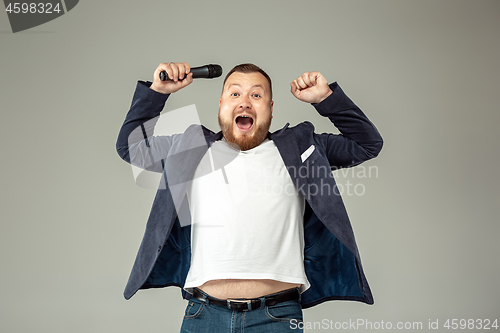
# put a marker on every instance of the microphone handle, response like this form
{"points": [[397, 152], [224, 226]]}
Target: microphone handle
{"points": [[198, 72]]}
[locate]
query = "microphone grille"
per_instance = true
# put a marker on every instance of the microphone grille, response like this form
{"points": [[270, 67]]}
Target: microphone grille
{"points": [[214, 71]]}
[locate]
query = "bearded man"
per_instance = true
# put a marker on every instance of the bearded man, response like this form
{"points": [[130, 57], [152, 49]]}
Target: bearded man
{"points": [[268, 234]]}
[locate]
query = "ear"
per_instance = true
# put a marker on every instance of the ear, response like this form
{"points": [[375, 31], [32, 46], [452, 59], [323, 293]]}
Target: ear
{"points": [[220, 100], [272, 104]]}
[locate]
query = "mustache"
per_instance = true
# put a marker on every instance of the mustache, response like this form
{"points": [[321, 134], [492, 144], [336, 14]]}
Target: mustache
{"points": [[245, 142]]}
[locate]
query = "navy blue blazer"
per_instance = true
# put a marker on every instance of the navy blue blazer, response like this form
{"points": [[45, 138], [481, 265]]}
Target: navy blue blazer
{"points": [[331, 259]]}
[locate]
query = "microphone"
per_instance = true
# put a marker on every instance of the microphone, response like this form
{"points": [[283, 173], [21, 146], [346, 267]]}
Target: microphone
{"points": [[202, 72]]}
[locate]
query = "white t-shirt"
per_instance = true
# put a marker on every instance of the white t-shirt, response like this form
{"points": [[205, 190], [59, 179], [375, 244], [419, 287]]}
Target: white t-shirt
{"points": [[247, 218]]}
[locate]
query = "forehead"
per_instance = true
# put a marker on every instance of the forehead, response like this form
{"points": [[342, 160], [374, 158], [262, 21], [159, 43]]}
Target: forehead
{"points": [[246, 80]]}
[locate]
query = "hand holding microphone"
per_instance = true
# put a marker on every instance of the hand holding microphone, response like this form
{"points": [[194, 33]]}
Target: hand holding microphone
{"points": [[202, 72], [170, 77]]}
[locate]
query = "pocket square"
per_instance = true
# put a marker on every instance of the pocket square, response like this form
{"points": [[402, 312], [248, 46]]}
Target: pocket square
{"points": [[307, 153]]}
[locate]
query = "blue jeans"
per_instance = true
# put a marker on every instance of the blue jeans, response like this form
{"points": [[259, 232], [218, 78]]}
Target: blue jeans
{"points": [[203, 317]]}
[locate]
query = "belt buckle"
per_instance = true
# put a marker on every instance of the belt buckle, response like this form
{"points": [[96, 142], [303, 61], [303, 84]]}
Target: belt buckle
{"points": [[248, 302]]}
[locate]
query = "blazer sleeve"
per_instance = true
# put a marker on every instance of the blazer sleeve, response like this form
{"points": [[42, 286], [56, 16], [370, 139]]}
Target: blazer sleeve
{"points": [[136, 143], [359, 140]]}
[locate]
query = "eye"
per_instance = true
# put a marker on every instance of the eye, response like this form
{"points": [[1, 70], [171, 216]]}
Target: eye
{"points": [[235, 94], [256, 95]]}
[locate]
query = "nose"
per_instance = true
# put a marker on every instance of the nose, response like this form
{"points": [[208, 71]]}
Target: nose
{"points": [[245, 102]]}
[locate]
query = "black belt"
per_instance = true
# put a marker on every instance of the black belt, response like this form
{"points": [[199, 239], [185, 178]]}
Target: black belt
{"points": [[252, 303]]}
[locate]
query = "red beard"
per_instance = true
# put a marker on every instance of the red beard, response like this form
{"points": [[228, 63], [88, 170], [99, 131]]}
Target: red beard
{"points": [[245, 141]]}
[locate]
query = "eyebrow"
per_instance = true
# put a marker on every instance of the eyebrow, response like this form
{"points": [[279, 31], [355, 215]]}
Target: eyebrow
{"points": [[255, 85]]}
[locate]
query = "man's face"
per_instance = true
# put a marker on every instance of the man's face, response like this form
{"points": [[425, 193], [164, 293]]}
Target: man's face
{"points": [[245, 109]]}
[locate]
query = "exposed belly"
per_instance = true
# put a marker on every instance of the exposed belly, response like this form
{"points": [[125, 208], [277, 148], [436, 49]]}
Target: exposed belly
{"points": [[243, 288]]}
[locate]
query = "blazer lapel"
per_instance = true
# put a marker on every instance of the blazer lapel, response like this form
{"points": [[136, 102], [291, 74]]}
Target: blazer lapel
{"points": [[183, 163], [288, 148]]}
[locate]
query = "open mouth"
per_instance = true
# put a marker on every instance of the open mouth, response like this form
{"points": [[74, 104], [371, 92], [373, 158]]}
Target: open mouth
{"points": [[244, 122]]}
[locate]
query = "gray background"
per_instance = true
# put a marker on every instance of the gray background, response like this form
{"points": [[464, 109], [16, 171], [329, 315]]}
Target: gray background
{"points": [[425, 72]]}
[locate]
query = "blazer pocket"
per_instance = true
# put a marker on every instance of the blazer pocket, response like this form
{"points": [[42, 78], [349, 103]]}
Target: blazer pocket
{"points": [[308, 152]]}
